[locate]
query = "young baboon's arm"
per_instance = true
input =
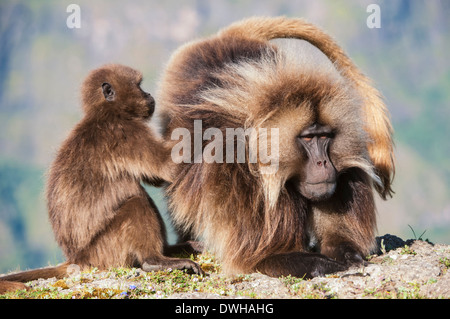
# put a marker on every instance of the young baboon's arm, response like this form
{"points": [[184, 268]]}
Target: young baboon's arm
{"points": [[141, 154]]}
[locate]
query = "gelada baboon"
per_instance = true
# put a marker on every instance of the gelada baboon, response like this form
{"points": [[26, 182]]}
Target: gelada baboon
{"points": [[315, 214], [100, 214]]}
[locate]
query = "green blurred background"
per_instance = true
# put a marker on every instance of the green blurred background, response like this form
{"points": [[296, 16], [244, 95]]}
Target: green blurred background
{"points": [[42, 64]]}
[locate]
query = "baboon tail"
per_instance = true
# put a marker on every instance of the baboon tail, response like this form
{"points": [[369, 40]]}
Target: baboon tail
{"points": [[14, 281]]}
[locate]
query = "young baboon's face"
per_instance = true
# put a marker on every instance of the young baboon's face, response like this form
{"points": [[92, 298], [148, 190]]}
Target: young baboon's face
{"points": [[134, 101], [117, 89]]}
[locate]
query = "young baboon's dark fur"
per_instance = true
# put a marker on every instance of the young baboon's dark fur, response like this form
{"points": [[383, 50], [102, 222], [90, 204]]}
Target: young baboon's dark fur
{"points": [[247, 77], [100, 213]]}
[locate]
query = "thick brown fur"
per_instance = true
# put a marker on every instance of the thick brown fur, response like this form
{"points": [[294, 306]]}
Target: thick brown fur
{"points": [[262, 222], [376, 116], [100, 214]]}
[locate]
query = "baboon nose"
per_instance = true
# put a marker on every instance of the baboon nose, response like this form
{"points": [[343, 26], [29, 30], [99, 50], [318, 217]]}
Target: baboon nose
{"points": [[320, 163]]}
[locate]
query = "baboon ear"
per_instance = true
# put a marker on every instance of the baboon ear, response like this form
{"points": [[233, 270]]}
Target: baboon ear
{"points": [[108, 91]]}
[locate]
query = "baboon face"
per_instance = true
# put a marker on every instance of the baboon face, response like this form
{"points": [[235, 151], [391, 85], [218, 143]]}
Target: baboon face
{"points": [[121, 92], [307, 153], [316, 111], [320, 134], [318, 181]]}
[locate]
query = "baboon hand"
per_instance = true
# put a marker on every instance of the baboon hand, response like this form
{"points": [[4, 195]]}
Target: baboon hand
{"points": [[190, 266], [299, 264]]}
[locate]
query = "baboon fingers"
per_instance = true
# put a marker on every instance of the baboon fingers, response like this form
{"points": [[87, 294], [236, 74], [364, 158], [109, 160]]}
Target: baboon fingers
{"points": [[190, 266], [300, 265], [320, 266]]}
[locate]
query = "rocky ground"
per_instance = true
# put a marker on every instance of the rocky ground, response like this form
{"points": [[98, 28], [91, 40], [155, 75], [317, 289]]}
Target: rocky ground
{"points": [[412, 269]]}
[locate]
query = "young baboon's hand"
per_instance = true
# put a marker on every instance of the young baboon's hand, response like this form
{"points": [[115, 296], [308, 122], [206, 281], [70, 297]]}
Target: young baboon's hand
{"points": [[174, 263], [190, 266]]}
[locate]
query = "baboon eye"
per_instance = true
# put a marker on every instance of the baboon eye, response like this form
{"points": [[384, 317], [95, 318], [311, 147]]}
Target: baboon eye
{"points": [[307, 137]]}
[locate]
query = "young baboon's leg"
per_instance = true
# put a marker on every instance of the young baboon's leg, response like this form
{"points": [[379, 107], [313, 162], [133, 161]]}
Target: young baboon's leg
{"points": [[135, 237], [345, 225]]}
